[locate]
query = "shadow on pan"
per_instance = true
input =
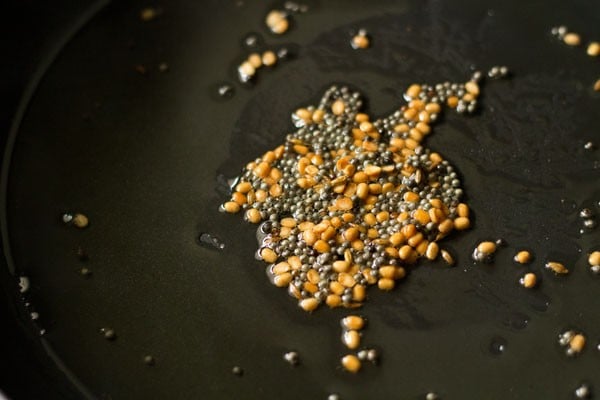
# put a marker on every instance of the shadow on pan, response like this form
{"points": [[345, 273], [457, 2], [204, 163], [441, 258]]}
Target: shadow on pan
{"points": [[142, 155]]}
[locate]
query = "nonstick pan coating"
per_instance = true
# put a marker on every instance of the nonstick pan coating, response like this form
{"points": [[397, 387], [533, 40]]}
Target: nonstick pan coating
{"points": [[145, 157]]}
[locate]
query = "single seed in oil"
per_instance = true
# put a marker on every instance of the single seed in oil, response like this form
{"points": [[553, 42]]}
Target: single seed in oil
{"points": [[149, 360], [292, 358]]}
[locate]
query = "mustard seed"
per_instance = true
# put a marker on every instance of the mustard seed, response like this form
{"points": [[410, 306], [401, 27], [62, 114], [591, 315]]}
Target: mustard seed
{"points": [[255, 60], [360, 40]]}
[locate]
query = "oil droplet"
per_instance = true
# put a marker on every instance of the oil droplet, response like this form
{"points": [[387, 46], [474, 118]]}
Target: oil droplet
{"points": [[108, 333], [42, 332], [149, 360], [209, 240], [497, 345], [517, 321], [238, 371], [225, 91], [252, 40]]}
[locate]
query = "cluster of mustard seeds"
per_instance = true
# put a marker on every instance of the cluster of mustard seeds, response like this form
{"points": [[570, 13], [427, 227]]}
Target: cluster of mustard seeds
{"points": [[347, 202], [573, 341]]}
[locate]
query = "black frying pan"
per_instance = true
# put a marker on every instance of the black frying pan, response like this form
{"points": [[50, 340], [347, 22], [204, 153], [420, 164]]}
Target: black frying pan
{"points": [[146, 157]]}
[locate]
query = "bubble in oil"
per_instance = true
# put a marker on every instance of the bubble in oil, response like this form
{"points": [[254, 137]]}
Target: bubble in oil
{"points": [[497, 345], [211, 241]]}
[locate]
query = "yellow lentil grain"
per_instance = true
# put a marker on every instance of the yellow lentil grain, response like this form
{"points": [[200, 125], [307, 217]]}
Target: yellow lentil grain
{"points": [[462, 210], [80, 220], [253, 215], [338, 107], [397, 238], [447, 257], [422, 216], [281, 268], [413, 91], [317, 118], [340, 266], [269, 58], [308, 304], [351, 339], [557, 267], [594, 258], [432, 251], [246, 69], [358, 293], [452, 101], [321, 246], [400, 273], [336, 288], [304, 114], [243, 187], [288, 222], [523, 257], [433, 108], [415, 239], [593, 49], [333, 300], [346, 279], [255, 60], [472, 88], [353, 322], [572, 39], [268, 255], [446, 226], [360, 42], [385, 284], [486, 248], [577, 343], [344, 203], [275, 190], [423, 128], [313, 276], [262, 170], [282, 280], [295, 262], [310, 287], [462, 223], [231, 207], [528, 280], [351, 363], [387, 271]]}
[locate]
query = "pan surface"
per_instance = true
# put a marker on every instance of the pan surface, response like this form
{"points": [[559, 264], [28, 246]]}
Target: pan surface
{"points": [[146, 154]]}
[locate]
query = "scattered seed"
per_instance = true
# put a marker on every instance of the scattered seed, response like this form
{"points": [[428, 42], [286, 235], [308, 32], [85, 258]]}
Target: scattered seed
{"points": [[86, 272], [353, 322], [593, 49], [431, 396], [351, 339], [163, 67], [594, 261], [246, 71], [556, 267], [351, 363], [447, 257], [292, 358], [523, 257], [597, 86], [573, 341], [528, 280], [277, 22], [484, 251], [572, 39], [333, 396], [360, 40], [80, 221], [269, 58]]}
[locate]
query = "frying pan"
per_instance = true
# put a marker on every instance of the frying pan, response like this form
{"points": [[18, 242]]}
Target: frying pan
{"points": [[146, 156]]}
